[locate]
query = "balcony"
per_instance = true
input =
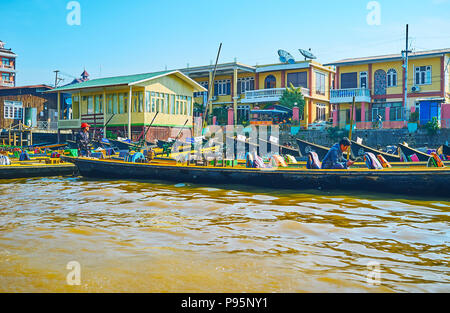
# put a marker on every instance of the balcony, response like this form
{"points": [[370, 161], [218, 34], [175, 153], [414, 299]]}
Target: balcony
{"points": [[6, 83], [267, 95], [7, 68], [346, 95]]}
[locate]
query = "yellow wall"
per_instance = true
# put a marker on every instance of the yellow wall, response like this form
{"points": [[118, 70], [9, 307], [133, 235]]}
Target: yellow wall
{"points": [[435, 63]]}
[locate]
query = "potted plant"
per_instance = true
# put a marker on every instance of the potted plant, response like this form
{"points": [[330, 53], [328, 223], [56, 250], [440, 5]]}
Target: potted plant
{"points": [[412, 123]]}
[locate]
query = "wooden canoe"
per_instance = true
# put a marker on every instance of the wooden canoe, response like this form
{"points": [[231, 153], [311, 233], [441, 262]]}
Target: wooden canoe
{"points": [[408, 151], [413, 181], [358, 150], [28, 170]]}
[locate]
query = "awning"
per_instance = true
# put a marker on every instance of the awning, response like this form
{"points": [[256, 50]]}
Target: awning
{"points": [[268, 112]]}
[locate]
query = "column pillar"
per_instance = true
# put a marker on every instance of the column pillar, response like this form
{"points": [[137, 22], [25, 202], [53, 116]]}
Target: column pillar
{"points": [[295, 113], [129, 112], [386, 115], [230, 116], [283, 79], [363, 111], [104, 112], [234, 82]]}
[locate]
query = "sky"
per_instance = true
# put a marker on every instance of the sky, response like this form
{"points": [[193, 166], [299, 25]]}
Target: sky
{"points": [[117, 37]]}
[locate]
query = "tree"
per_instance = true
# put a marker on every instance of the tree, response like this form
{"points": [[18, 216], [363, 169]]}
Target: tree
{"points": [[291, 96]]}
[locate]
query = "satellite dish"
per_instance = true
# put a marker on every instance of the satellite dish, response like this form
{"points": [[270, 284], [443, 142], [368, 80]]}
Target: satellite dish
{"points": [[286, 57], [307, 54]]}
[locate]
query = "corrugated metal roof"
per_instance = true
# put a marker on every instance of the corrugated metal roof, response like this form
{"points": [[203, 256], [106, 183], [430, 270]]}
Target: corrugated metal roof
{"points": [[390, 57], [112, 81]]}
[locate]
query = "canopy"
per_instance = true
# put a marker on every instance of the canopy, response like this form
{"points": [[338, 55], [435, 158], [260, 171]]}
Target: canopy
{"points": [[268, 112]]}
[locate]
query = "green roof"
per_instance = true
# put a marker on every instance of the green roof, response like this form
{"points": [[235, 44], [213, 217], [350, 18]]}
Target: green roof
{"points": [[111, 81]]}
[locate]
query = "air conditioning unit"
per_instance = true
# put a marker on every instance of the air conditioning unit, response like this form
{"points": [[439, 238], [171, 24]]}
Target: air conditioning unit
{"points": [[415, 88]]}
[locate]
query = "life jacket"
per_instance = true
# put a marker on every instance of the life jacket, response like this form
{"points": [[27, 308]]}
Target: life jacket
{"points": [[277, 161], [290, 159], [24, 156], [258, 162], [437, 159], [313, 161], [371, 161], [55, 155], [383, 161], [4, 160], [249, 161]]}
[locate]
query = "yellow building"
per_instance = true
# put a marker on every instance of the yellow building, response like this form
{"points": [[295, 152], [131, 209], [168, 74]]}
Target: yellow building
{"points": [[125, 105], [244, 88], [378, 84]]}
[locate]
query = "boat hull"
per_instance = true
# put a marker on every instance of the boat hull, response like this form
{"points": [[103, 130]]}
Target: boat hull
{"points": [[417, 181], [36, 170], [423, 157]]}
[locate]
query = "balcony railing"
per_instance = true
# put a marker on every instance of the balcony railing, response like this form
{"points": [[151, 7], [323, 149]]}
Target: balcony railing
{"points": [[7, 66], [6, 83], [267, 95], [44, 125], [346, 95]]}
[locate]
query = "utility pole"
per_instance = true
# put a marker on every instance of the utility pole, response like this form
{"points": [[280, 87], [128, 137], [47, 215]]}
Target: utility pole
{"points": [[405, 66], [56, 78]]}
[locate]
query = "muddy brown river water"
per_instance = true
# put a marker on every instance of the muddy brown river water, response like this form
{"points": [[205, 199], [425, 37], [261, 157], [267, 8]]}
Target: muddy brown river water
{"points": [[134, 236]]}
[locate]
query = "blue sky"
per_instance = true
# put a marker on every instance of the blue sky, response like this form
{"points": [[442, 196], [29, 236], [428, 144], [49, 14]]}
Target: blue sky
{"points": [[135, 36]]}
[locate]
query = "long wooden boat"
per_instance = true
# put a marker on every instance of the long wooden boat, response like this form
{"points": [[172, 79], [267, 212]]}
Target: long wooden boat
{"points": [[28, 169], [359, 150], [408, 151], [414, 181], [446, 150], [305, 147]]}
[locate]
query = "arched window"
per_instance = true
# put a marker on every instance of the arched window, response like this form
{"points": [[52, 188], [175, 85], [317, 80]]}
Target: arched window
{"points": [[270, 82], [380, 82], [392, 78]]}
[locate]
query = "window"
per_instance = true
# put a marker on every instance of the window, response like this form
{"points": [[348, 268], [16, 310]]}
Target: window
{"points": [[392, 78], [201, 94], [363, 80], [395, 112], [297, 79], [349, 80], [13, 110], [90, 105], [98, 104], [189, 105], [320, 83], [222, 87], [423, 75], [5, 77], [172, 104], [320, 112], [378, 109], [115, 104], [121, 106], [147, 101], [75, 107], [6, 62], [244, 84], [270, 82], [243, 113]]}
